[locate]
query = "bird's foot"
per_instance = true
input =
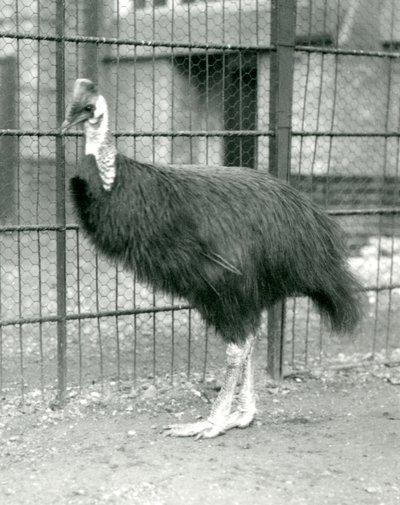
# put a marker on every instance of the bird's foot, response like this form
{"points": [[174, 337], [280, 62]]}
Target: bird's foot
{"points": [[241, 418], [199, 430], [214, 428]]}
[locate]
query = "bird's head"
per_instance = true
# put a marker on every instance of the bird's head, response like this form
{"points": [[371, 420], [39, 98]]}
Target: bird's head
{"points": [[87, 106]]}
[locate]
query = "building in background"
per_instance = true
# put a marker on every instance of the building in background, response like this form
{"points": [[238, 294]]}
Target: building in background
{"points": [[181, 93]]}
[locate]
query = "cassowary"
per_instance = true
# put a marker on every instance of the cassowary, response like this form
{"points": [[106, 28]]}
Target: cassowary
{"points": [[232, 241]]}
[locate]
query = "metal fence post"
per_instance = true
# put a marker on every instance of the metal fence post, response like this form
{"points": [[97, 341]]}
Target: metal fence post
{"points": [[8, 144], [91, 29], [60, 209], [283, 28]]}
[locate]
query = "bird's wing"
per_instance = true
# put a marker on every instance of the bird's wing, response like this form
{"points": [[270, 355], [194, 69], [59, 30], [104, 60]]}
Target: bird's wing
{"points": [[222, 262]]}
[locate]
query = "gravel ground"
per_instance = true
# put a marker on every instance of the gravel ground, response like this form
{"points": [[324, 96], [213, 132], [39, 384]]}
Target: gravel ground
{"points": [[330, 438]]}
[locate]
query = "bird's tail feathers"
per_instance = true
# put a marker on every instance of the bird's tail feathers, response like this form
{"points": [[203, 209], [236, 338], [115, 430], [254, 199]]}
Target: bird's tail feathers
{"points": [[339, 302]]}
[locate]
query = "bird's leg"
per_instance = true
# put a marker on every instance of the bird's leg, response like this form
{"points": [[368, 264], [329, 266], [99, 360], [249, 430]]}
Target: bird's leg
{"points": [[245, 411], [220, 419]]}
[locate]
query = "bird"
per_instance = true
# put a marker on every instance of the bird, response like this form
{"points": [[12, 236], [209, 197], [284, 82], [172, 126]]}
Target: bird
{"points": [[232, 241]]}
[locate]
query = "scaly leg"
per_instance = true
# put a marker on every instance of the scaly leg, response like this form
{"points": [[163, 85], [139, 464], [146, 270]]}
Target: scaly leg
{"points": [[245, 411], [238, 359]]}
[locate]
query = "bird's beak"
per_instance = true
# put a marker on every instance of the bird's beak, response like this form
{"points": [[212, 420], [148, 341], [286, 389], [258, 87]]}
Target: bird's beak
{"points": [[65, 126], [73, 119]]}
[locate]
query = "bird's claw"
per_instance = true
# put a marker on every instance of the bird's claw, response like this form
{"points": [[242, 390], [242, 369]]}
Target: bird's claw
{"points": [[210, 429], [199, 430]]}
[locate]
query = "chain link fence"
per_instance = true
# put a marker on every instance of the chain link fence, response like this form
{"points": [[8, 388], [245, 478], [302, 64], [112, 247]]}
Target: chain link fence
{"points": [[191, 82]]}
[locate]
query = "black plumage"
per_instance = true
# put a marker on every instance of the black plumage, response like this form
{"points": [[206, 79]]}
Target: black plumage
{"points": [[231, 241]]}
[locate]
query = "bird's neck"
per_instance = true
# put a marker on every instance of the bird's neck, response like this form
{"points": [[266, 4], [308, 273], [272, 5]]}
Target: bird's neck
{"points": [[100, 142]]}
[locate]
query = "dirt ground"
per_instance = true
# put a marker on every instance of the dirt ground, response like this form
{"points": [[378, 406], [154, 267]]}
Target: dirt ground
{"points": [[330, 438]]}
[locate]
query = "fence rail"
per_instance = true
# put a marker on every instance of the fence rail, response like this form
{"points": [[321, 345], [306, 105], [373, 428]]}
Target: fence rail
{"points": [[202, 133]]}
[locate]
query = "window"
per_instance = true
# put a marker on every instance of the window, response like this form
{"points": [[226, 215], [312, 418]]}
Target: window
{"points": [[141, 4]]}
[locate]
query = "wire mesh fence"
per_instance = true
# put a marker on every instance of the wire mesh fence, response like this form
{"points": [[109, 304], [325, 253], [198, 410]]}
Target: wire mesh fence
{"points": [[189, 82]]}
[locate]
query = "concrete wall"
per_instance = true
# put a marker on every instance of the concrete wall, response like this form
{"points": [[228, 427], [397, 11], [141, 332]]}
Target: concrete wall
{"points": [[344, 94]]}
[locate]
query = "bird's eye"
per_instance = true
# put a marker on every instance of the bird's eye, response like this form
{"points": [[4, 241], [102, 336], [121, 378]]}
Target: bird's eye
{"points": [[89, 108]]}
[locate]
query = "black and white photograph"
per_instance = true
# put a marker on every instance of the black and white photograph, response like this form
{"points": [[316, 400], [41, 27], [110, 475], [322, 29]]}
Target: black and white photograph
{"points": [[200, 252]]}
